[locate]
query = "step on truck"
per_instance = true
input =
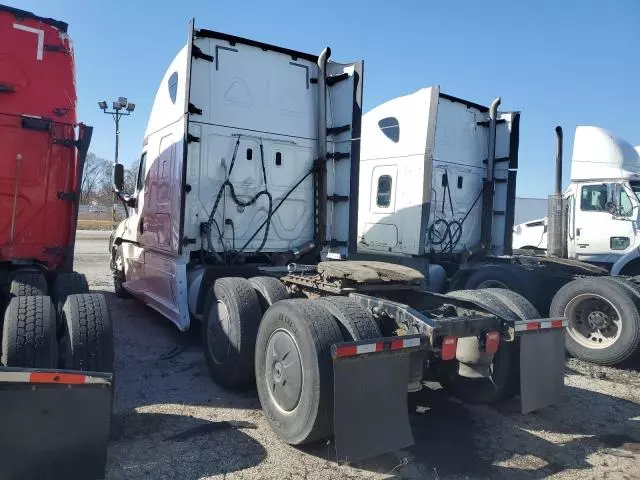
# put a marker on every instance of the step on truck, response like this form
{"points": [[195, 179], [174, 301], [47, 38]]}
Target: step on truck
{"points": [[56, 372], [241, 224], [437, 193]]}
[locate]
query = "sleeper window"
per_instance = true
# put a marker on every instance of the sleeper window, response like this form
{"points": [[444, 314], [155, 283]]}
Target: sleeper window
{"points": [[391, 128], [173, 86], [383, 198]]}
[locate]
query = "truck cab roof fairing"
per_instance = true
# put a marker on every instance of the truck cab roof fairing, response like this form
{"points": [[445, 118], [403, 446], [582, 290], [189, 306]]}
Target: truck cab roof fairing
{"points": [[169, 102], [599, 154]]}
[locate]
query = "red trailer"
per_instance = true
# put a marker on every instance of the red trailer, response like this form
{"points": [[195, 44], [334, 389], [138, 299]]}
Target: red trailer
{"points": [[57, 342]]}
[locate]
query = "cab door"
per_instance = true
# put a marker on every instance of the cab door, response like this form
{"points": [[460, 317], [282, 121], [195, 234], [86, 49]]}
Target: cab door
{"points": [[604, 223]]}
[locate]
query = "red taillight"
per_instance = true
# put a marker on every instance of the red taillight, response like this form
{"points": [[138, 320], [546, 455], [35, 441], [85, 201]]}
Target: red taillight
{"points": [[449, 345], [491, 342]]}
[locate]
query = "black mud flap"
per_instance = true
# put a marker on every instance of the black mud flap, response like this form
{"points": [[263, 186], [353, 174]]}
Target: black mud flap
{"points": [[54, 424], [542, 364], [370, 396]]}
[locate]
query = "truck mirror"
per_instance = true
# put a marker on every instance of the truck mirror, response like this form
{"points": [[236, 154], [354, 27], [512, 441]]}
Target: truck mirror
{"points": [[118, 177]]}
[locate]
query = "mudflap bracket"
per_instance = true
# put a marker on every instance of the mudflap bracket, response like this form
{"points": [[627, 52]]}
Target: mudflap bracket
{"points": [[371, 379]]}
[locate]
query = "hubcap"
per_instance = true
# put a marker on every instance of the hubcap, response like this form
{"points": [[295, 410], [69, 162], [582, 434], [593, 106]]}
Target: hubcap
{"points": [[594, 321], [218, 333], [283, 372]]}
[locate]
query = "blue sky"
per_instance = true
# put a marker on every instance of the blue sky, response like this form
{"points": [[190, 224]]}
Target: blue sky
{"points": [[563, 63]]}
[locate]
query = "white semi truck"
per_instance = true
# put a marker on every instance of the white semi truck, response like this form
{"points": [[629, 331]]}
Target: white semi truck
{"points": [[437, 193], [603, 204], [241, 223]]}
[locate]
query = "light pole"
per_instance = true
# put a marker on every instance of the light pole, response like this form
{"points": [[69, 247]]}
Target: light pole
{"points": [[121, 107]]}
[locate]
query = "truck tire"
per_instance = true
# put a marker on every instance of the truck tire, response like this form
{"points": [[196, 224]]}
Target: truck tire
{"points": [[87, 341], [603, 320], [515, 302], [29, 333], [505, 370], [117, 269], [508, 277], [25, 283], [355, 322], [65, 284], [269, 290], [487, 301], [297, 406], [229, 327]]}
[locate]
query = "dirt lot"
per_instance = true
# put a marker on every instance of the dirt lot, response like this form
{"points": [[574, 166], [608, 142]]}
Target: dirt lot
{"points": [[172, 421]]}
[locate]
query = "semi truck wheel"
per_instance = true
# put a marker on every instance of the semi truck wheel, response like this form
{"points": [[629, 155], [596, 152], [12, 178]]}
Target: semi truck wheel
{"points": [[515, 302], [354, 321], [29, 333], [269, 290], [488, 302], [229, 327], [603, 320], [294, 373], [508, 277], [117, 268], [504, 380], [65, 284], [27, 283], [87, 341]]}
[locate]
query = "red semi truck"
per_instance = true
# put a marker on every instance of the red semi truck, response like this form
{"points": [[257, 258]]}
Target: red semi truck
{"points": [[56, 367]]}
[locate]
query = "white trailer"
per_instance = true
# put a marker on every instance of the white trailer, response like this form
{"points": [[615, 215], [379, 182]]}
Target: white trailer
{"points": [[242, 220]]}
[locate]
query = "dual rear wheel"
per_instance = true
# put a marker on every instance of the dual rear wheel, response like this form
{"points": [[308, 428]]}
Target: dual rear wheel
{"points": [[71, 331], [253, 332]]}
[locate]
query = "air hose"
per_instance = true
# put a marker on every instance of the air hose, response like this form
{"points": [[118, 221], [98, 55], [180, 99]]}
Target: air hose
{"points": [[211, 221]]}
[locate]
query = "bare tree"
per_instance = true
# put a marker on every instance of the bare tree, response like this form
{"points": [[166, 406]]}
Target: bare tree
{"points": [[92, 177], [97, 181]]}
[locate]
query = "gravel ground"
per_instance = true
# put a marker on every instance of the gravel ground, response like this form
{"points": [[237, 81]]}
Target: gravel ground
{"points": [[171, 421]]}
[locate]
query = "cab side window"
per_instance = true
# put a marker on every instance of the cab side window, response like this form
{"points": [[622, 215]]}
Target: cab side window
{"points": [[593, 198], [141, 172], [624, 203]]}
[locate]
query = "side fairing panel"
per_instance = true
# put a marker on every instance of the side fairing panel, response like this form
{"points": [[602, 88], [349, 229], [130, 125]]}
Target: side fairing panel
{"points": [[344, 109]]}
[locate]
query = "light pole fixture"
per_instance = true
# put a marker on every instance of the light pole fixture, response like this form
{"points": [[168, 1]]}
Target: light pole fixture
{"points": [[121, 107]]}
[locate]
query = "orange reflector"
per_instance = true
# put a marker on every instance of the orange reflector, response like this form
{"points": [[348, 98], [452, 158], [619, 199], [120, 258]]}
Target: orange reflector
{"points": [[449, 345], [556, 323], [63, 378], [533, 325], [492, 341]]}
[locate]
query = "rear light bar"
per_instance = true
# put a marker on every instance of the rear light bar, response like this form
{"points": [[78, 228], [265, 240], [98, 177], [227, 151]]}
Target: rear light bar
{"points": [[542, 324], [51, 378], [388, 344]]}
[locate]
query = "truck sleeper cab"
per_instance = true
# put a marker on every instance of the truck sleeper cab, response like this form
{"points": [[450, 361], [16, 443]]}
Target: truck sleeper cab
{"points": [[243, 218], [438, 194]]}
